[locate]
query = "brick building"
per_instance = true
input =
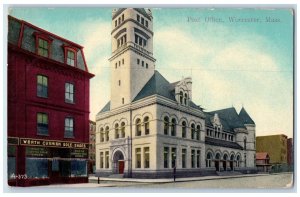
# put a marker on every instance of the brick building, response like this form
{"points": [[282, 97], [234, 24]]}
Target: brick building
{"points": [[48, 107]]}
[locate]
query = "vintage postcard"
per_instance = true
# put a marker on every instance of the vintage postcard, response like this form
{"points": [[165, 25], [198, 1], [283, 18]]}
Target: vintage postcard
{"points": [[150, 98]]}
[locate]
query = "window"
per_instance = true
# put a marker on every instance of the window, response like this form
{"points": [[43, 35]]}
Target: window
{"points": [[138, 127], [116, 23], [70, 58], [140, 41], [198, 132], [119, 82], [142, 63], [192, 131], [123, 61], [166, 157], [119, 21], [138, 18], [146, 124], [183, 158], [78, 168], [43, 47], [166, 125], [107, 133], [106, 159], [173, 127], [146, 157], [119, 63], [42, 86], [69, 127], [185, 99], [193, 158], [69, 92], [180, 97], [36, 167], [138, 61], [173, 157], [138, 158], [42, 124], [101, 160], [101, 135], [198, 158], [122, 17], [146, 65], [208, 160], [245, 143], [116, 66], [117, 131], [123, 101], [142, 21], [123, 129], [146, 23], [238, 161], [183, 129]]}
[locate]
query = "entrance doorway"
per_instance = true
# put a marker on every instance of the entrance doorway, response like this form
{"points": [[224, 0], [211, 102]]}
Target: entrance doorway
{"points": [[217, 165], [225, 158], [118, 161]]}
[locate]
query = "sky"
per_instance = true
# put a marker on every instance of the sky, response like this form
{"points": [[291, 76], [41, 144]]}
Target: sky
{"points": [[239, 64]]}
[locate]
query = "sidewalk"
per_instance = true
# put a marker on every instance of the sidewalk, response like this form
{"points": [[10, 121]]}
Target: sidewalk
{"points": [[169, 180]]}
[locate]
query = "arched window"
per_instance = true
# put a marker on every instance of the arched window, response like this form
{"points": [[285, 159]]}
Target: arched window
{"points": [[173, 127], [218, 156], [193, 131], [138, 127], [185, 99], [101, 135], [166, 125], [123, 130], [146, 124], [198, 132], [107, 133], [183, 129], [245, 143], [117, 131], [208, 159], [181, 97], [238, 161]]}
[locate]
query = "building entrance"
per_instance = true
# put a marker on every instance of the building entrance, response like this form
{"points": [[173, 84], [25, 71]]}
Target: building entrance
{"points": [[119, 163]]}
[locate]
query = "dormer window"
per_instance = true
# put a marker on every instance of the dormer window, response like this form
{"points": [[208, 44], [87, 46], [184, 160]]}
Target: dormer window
{"points": [[43, 48], [185, 99], [181, 97], [43, 43], [70, 55]]}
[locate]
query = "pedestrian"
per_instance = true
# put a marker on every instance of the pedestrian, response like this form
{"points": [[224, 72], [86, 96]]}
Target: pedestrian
{"points": [[174, 173]]}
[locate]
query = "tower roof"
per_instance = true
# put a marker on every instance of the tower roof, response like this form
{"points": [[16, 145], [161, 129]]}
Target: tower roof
{"points": [[244, 116]]}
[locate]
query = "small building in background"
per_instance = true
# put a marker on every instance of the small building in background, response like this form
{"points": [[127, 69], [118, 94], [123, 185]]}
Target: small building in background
{"points": [[276, 147], [92, 155], [263, 162]]}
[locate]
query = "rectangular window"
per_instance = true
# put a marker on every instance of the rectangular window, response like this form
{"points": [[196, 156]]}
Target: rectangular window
{"points": [[119, 82], [166, 157], [142, 20], [42, 124], [146, 65], [173, 152], [119, 20], [138, 61], [193, 159], [138, 158], [146, 23], [142, 63], [136, 40], [146, 157], [101, 160], [122, 17], [116, 23], [106, 159], [116, 65], [43, 48], [198, 158], [69, 93], [71, 58], [138, 17], [122, 100], [42, 86], [183, 158], [36, 167], [123, 61], [69, 127], [144, 42]]}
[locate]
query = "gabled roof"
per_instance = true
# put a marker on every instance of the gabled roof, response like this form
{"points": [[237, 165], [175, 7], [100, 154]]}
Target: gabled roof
{"points": [[105, 108], [231, 117], [223, 143], [244, 116], [262, 156], [210, 115]]}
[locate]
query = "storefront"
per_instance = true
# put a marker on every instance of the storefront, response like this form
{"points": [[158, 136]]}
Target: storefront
{"points": [[40, 162]]}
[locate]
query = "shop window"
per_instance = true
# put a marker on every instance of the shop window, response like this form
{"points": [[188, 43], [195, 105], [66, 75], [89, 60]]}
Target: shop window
{"points": [[78, 168], [146, 157], [69, 127], [11, 162], [69, 93], [42, 86], [138, 157], [42, 124], [37, 167]]}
